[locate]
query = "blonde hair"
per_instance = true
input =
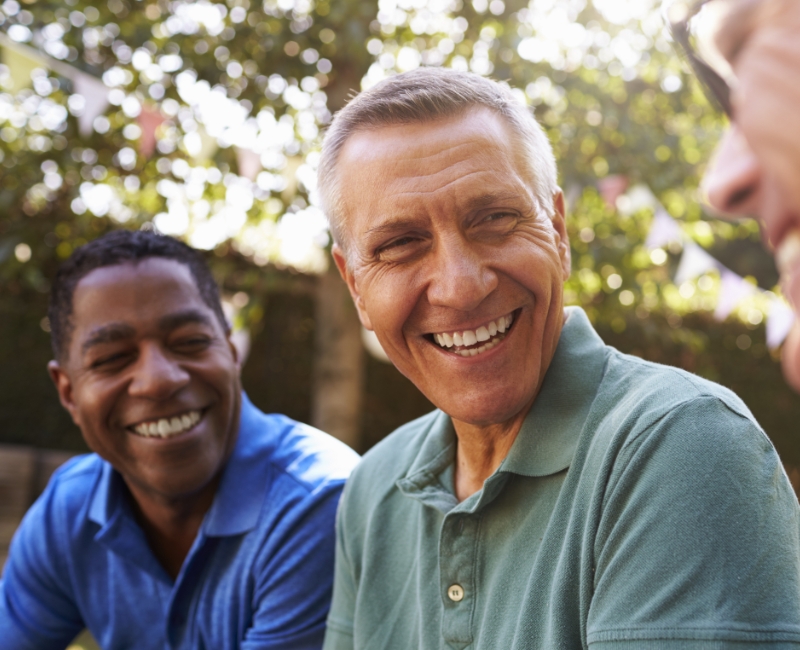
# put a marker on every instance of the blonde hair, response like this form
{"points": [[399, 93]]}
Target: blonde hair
{"points": [[428, 94]]}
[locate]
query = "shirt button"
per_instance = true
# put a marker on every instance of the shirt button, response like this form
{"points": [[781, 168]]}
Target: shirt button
{"points": [[455, 593]]}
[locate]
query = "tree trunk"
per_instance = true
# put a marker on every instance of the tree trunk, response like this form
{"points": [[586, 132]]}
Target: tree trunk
{"points": [[338, 362]]}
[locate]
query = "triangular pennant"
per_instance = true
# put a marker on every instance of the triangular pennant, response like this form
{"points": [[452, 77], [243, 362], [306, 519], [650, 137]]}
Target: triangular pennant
{"points": [[732, 290], [20, 65], [95, 93], [249, 163], [780, 319], [694, 262], [664, 230], [611, 188], [148, 120]]}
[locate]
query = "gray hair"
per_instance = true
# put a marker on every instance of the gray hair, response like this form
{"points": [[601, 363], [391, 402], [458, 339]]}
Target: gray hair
{"points": [[428, 94]]}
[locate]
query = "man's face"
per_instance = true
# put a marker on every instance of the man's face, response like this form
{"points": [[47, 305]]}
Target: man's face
{"points": [[151, 378], [452, 264], [757, 165]]}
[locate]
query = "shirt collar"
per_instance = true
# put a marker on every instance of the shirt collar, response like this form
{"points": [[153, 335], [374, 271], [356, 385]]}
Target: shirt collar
{"points": [[549, 435], [240, 495]]}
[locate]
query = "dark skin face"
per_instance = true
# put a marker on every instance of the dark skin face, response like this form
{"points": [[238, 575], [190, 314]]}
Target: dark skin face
{"points": [[152, 380]]}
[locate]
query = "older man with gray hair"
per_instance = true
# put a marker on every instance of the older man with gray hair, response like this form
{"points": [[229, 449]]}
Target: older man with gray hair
{"points": [[563, 495]]}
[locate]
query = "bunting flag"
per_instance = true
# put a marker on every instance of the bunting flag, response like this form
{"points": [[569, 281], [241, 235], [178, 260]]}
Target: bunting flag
{"points": [[780, 319], [611, 188], [148, 120], [663, 231], [373, 345], [694, 263], [249, 163], [95, 93], [732, 290], [21, 63]]}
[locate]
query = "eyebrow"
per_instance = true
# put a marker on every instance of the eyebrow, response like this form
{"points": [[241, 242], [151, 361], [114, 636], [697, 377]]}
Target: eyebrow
{"points": [[107, 334], [114, 332]]}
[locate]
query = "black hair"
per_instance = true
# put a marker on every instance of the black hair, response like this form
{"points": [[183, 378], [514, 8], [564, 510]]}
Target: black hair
{"points": [[120, 247]]}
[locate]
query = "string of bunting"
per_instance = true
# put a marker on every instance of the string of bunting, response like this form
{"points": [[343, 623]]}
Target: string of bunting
{"points": [[733, 288]]}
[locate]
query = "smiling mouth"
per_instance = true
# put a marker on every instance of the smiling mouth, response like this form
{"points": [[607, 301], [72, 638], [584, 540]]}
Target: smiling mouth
{"points": [[168, 427], [471, 343]]}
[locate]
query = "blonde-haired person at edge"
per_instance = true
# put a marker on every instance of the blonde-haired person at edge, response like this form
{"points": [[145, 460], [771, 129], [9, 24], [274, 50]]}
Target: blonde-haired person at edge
{"points": [[750, 67]]}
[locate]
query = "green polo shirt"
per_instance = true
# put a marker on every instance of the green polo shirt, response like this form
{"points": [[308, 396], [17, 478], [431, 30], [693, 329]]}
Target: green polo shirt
{"points": [[639, 507]]}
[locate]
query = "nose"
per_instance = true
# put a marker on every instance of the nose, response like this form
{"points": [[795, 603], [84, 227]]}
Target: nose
{"points": [[156, 375], [733, 179], [461, 275]]}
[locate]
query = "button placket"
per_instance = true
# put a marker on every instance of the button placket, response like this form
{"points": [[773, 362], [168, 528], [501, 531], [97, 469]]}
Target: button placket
{"points": [[457, 548]]}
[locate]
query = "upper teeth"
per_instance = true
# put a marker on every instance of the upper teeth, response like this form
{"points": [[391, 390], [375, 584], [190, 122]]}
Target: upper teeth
{"points": [[471, 337], [787, 254], [166, 427]]}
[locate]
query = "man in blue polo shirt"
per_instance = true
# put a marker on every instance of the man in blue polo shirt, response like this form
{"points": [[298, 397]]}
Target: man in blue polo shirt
{"points": [[199, 522]]}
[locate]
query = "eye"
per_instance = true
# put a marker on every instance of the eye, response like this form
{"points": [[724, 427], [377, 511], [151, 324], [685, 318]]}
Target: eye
{"points": [[110, 361], [398, 249], [191, 344]]}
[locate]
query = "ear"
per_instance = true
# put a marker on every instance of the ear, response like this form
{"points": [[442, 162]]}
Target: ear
{"points": [[341, 263], [560, 225], [64, 387]]}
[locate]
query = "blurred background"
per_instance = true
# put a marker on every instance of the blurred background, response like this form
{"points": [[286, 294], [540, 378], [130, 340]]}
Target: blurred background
{"points": [[203, 120]]}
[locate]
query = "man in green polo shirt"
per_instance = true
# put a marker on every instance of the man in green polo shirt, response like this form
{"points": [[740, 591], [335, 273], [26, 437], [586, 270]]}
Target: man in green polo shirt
{"points": [[565, 495]]}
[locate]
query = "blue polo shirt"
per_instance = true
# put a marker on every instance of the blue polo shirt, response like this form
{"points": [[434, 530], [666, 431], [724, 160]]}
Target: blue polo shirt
{"points": [[259, 573]]}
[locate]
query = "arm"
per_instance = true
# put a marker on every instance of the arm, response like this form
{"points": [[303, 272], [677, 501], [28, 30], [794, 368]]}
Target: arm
{"points": [[698, 545], [293, 591], [36, 609]]}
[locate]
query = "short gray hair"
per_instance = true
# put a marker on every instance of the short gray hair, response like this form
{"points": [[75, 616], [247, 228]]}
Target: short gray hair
{"points": [[428, 94]]}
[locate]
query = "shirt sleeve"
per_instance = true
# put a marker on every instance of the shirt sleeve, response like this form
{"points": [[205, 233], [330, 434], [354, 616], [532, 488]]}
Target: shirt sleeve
{"points": [[698, 545], [339, 635], [293, 592], [37, 611]]}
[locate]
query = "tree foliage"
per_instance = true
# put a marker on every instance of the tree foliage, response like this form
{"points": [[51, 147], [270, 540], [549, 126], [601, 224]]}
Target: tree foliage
{"points": [[223, 77]]}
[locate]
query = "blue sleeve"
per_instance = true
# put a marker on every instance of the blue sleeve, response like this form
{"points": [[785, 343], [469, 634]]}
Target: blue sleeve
{"points": [[293, 591], [699, 541], [37, 611]]}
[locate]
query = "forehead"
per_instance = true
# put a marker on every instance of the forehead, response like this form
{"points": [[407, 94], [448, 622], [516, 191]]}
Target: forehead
{"points": [[396, 166], [133, 292]]}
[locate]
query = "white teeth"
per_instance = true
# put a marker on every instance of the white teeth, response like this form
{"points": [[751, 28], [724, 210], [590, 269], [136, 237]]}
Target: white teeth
{"points": [[165, 428], [787, 254], [467, 338]]}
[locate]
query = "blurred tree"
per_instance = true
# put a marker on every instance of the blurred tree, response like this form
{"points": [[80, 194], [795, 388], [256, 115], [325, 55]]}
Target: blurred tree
{"points": [[211, 132]]}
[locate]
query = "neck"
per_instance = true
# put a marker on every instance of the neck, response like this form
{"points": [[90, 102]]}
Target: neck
{"points": [[480, 451], [171, 525]]}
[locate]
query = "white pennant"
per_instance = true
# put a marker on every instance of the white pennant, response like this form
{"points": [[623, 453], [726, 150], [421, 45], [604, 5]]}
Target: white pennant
{"points": [[249, 163], [694, 262], [732, 290], [664, 230], [95, 93], [779, 322]]}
